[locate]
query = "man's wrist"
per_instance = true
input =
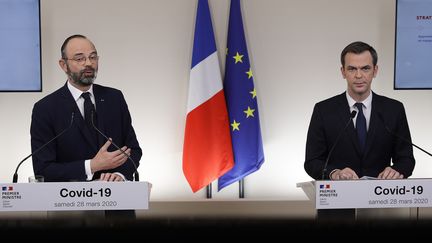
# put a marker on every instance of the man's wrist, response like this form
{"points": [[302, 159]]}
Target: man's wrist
{"points": [[332, 172], [121, 175]]}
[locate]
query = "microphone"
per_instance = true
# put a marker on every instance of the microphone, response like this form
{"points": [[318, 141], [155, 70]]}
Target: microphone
{"points": [[136, 174], [352, 115], [15, 176], [399, 137]]}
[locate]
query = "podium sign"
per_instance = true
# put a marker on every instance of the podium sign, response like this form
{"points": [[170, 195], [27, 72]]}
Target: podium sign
{"points": [[370, 193], [67, 196]]}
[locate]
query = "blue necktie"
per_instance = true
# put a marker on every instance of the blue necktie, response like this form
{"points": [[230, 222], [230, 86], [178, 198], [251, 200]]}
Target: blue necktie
{"points": [[361, 126]]}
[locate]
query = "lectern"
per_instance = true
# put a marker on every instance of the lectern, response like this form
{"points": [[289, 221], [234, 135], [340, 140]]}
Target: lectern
{"points": [[70, 196], [368, 194]]}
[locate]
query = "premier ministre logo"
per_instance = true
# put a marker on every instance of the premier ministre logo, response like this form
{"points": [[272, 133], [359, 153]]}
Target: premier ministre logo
{"points": [[8, 193], [325, 190]]}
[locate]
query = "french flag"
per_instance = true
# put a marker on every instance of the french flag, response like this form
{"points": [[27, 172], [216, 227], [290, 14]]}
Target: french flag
{"points": [[207, 149]]}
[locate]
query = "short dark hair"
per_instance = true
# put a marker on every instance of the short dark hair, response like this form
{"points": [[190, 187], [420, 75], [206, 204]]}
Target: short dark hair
{"points": [[357, 48], [63, 47]]}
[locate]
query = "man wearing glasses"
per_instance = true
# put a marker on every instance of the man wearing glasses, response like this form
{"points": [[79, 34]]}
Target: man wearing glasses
{"points": [[88, 114]]}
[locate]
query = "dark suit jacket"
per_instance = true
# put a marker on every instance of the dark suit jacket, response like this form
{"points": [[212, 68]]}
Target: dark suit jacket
{"points": [[63, 159], [382, 148]]}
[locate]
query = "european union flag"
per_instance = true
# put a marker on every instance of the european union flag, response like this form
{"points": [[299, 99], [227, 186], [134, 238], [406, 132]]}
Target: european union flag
{"points": [[241, 98]]}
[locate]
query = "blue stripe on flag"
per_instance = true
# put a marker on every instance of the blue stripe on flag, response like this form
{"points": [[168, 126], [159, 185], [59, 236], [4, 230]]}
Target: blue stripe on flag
{"points": [[204, 43]]}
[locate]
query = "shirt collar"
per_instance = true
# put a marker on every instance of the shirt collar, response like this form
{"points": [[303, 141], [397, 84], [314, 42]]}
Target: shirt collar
{"points": [[76, 93], [366, 103]]}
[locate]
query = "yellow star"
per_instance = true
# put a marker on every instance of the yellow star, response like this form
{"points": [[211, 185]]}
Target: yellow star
{"points": [[238, 58], [253, 92], [235, 125], [249, 112], [249, 73], [226, 51]]}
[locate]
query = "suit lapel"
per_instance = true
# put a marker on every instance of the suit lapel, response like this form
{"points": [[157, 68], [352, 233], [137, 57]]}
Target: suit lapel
{"points": [[78, 119], [100, 111], [371, 134], [345, 113]]}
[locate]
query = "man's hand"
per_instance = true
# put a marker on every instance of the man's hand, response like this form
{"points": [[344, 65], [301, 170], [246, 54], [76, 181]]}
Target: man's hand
{"points": [[105, 160], [344, 174], [110, 177], [390, 173]]}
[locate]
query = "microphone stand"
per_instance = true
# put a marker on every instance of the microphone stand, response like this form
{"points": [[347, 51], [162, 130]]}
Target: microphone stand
{"points": [[15, 176], [136, 174], [401, 138], [352, 115], [405, 140]]}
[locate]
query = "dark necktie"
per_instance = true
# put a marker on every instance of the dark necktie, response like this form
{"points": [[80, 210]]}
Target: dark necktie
{"points": [[361, 126], [89, 114]]}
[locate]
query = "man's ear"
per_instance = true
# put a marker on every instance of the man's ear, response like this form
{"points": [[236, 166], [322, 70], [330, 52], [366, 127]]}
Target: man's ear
{"points": [[63, 65], [375, 70], [343, 72]]}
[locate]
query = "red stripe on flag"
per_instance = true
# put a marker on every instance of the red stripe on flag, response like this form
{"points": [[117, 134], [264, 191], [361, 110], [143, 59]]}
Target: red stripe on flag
{"points": [[207, 151]]}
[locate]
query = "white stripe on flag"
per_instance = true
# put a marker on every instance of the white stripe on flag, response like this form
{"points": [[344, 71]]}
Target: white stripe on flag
{"points": [[205, 81]]}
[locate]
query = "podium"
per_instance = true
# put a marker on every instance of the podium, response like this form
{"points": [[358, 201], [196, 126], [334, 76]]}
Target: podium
{"points": [[370, 194], [74, 196]]}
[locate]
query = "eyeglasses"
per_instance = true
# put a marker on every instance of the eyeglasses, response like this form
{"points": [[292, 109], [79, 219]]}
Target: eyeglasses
{"points": [[82, 59]]}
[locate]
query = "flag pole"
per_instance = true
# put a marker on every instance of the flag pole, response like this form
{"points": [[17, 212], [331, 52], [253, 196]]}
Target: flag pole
{"points": [[241, 188], [209, 190]]}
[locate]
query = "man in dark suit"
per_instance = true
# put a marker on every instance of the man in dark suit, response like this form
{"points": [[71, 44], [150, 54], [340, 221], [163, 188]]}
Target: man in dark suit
{"points": [[82, 154], [383, 155], [365, 147]]}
